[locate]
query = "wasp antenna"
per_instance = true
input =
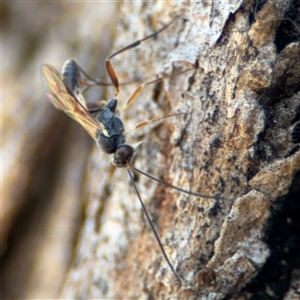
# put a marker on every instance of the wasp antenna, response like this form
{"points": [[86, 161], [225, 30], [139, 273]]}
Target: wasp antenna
{"points": [[179, 189], [153, 229]]}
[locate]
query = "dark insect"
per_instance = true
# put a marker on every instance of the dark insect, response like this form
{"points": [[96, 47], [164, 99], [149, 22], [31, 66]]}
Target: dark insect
{"points": [[103, 122]]}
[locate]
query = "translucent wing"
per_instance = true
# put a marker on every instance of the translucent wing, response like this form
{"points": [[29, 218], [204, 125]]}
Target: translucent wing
{"points": [[64, 100]]}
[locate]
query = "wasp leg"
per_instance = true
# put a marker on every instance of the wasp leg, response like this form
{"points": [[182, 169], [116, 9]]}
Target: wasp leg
{"points": [[141, 87], [110, 69], [147, 123]]}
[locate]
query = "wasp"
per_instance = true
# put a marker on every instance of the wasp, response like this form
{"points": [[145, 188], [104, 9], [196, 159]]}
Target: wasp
{"points": [[103, 122]]}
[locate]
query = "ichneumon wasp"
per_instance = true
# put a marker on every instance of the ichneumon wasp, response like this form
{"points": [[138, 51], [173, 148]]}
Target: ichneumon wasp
{"points": [[102, 121]]}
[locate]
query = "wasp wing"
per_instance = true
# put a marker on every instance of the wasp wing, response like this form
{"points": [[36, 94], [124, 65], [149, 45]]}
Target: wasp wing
{"points": [[63, 99]]}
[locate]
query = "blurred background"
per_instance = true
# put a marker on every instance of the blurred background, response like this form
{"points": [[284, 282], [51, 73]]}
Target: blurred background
{"points": [[45, 154], [39, 223]]}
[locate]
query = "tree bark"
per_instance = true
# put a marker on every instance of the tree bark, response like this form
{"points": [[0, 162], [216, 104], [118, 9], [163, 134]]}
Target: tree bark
{"points": [[238, 138], [234, 140]]}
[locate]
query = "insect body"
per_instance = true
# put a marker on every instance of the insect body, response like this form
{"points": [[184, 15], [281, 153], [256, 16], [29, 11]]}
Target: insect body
{"points": [[103, 122], [71, 76], [107, 129]]}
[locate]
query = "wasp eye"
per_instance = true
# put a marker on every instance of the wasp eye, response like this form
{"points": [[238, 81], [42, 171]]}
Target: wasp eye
{"points": [[122, 156], [124, 152]]}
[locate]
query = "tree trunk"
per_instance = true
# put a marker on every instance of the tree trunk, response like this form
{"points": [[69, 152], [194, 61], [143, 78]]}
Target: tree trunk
{"points": [[237, 137]]}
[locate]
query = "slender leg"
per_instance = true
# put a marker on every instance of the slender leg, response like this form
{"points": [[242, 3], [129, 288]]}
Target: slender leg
{"points": [[110, 69], [136, 92], [95, 106], [140, 87], [113, 77], [147, 123], [95, 82]]}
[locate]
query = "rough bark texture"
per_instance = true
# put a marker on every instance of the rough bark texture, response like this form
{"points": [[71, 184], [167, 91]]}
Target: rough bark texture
{"points": [[238, 138]]}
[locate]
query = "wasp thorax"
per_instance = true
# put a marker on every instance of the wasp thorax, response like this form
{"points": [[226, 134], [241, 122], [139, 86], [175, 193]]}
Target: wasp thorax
{"points": [[122, 156]]}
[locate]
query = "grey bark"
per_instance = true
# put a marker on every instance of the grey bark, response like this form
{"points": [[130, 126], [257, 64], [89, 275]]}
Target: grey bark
{"points": [[233, 140], [236, 138]]}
